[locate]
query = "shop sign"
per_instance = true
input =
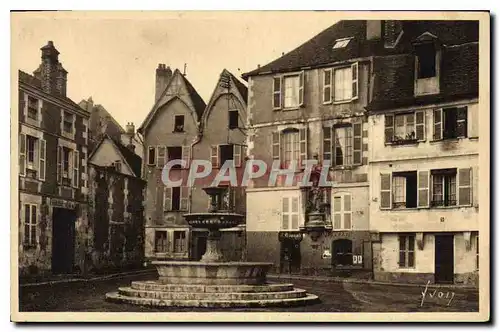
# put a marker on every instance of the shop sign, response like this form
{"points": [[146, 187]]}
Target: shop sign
{"points": [[61, 203], [296, 236]]}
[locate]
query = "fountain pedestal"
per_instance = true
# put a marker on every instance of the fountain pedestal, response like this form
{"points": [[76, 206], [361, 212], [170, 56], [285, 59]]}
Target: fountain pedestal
{"points": [[212, 282]]}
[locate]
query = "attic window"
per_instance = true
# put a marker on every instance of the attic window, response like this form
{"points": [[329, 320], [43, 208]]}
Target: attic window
{"points": [[341, 43]]}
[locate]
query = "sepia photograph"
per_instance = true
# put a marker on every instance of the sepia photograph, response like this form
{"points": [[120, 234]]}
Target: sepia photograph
{"points": [[250, 166]]}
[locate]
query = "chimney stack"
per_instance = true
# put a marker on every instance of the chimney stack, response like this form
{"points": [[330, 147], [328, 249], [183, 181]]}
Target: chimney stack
{"points": [[51, 72], [130, 132], [163, 76], [373, 29], [392, 30]]}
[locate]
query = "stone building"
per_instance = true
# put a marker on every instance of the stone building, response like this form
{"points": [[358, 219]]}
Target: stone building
{"points": [[169, 132], [53, 225], [223, 137], [423, 161], [310, 104], [116, 198]]}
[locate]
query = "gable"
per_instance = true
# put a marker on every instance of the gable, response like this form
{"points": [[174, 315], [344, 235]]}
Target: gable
{"points": [[106, 154]]}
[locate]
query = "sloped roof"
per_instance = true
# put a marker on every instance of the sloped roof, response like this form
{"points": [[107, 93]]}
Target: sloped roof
{"points": [[242, 89], [319, 50], [198, 102], [36, 83]]}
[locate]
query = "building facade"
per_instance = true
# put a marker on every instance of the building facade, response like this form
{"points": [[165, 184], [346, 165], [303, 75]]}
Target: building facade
{"points": [[423, 160], [53, 224], [310, 104], [116, 206], [169, 132]]}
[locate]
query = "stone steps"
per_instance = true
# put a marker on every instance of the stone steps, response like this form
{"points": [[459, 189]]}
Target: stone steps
{"points": [[156, 286], [214, 303], [223, 296]]}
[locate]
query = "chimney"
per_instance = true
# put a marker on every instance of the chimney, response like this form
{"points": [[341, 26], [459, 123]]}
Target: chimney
{"points": [[49, 68], [61, 80], [163, 76], [130, 133], [392, 30], [373, 29]]}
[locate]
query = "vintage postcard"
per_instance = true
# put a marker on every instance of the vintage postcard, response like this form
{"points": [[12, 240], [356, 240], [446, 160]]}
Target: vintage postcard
{"points": [[250, 166]]}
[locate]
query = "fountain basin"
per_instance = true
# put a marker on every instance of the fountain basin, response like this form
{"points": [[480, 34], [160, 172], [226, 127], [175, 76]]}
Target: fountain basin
{"points": [[212, 273], [214, 220]]}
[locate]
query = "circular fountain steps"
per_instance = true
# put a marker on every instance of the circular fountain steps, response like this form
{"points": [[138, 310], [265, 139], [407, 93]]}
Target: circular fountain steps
{"points": [[154, 285], [296, 297]]}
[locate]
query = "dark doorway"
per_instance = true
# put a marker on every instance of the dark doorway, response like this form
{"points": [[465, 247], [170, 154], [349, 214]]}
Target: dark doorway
{"points": [[444, 259], [342, 252], [201, 247], [290, 256], [63, 240]]}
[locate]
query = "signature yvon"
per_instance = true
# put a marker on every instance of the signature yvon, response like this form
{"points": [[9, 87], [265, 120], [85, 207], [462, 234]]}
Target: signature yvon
{"points": [[435, 294]]}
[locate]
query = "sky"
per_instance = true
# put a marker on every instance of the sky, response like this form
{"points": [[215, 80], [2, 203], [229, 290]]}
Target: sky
{"points": [[112, 56]]}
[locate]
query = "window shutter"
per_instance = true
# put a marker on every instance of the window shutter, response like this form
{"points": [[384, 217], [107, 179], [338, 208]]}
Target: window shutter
{"points": [[167, 198], [462, 121], [276, 144], [186, 154], [357, 142], [385, 191], [214, 155], [277, 81], [465, 186], [184, 198], [420, 125], [41, 160], [327, 86], [302, 147], [337, 212], [22, 154], [473, 117], [161, 156], [438, 124], [237, 155], [295, 213], [347, 211], [355, 84], [59, 164], [76, 169], [285, 213], [389, 128], [423, 189], [327, 143], [301, 88]]}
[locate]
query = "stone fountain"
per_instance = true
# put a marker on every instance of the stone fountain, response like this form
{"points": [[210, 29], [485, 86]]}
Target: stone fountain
{"points": [[212, 282]]}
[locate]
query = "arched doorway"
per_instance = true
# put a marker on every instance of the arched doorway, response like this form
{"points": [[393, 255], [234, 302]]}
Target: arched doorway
{"points": [[342, 252]]}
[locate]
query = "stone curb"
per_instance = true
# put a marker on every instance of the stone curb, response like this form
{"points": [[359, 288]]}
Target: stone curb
{"points": [[105, 277], [371, 282]]}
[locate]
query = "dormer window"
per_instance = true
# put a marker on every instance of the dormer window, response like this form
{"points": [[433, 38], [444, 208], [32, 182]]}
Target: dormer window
{"points": [[341, 43], [427, 67]]}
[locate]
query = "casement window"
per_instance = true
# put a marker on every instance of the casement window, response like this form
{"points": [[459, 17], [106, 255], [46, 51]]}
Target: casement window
{"points": [[173, 153], [327, 86], [404, 128], [444, 187], [342, 212], [180, 242], [151, 155], [176, 199], [75, 179], [343, 145], [427, 68], [85, 131], [233, 119], [32, 111], [32, 157], [67, 167], [404, 189], [118, 166], [228, 200], [178, 123], [68, 120], [288, 91], [84, 170], [426, 61], [290, 213], [290, 145], [450, 123], [406, 251], [30, 221], [221, 153], [345, 81], [161, 241]]}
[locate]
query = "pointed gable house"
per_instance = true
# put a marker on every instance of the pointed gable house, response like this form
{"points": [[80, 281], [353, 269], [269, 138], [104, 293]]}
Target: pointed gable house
{"points": [[223, 138], [169, 130]]}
